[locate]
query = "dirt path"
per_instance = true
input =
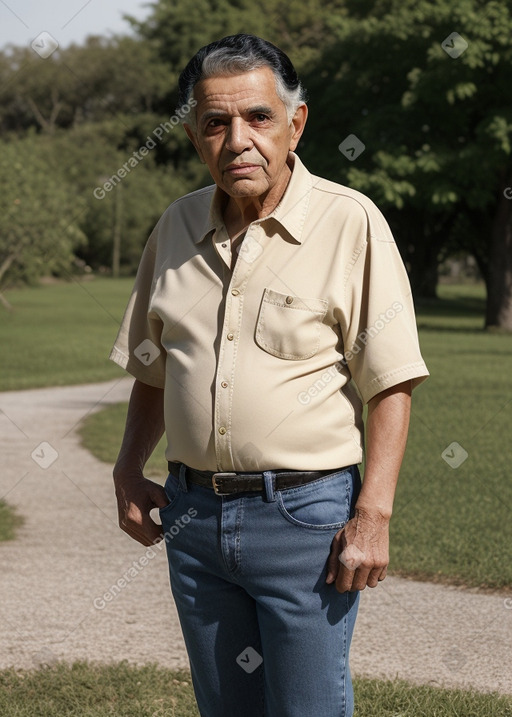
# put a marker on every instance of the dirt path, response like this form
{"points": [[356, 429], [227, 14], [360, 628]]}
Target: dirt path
{"points": [[56, 601]]}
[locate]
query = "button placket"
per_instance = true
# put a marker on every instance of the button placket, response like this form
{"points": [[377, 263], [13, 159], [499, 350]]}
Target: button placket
{"points": [[222, 245], [227, 362]]}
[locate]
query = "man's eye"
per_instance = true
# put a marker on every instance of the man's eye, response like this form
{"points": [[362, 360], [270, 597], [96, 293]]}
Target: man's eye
{"points": [[261, 118]]}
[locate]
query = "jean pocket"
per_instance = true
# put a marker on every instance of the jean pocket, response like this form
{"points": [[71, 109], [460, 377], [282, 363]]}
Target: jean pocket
{"points": [[289, 326], [173, 492], [324, 504]]}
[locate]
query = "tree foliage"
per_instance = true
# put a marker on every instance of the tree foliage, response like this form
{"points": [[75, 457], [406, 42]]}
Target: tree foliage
{"points": [[39, 214], [76, 118], [437, 128], [436, 125], [101, 80], [176, 29]]}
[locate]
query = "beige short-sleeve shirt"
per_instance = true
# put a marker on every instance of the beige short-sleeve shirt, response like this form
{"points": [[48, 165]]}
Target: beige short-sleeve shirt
{"points": [[268, 366]]}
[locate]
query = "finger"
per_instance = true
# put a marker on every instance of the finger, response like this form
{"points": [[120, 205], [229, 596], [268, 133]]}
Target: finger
{"points": [[158, 496], [351, 580], [135, 533], [141, 528], [147, 534], [352, 557], [360, 580], [135, 518], [344, 579], [349, 574], [332, 561], [135, 530], [374, 577], [153, 532]]}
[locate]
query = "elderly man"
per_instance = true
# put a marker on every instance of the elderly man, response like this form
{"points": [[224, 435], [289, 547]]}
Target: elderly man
{"points": [[268, 309]]}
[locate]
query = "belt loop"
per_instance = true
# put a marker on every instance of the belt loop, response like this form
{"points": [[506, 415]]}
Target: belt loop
{"points": [[183, 477], [269, 479]]}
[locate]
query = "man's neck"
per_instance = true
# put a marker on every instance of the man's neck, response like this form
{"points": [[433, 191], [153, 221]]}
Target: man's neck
{"points": [[239, 212]]}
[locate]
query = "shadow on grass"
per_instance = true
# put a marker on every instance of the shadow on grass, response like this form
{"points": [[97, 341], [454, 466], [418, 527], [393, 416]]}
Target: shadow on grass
{"points": [[458, 309]]}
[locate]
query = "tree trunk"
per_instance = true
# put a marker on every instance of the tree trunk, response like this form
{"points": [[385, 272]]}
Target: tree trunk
{"points": [[419, 245], [47, 125], [3, 269], [5, 303], [116, 238], [499, 283], [6, 264], [426, 277]]}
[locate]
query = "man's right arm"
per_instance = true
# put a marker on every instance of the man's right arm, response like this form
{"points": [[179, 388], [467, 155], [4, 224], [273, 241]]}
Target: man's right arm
{"points": [[136, 495]]}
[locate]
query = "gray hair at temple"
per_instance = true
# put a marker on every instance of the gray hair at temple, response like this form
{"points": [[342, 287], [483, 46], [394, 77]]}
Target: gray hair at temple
{"points": [[234, 55]]}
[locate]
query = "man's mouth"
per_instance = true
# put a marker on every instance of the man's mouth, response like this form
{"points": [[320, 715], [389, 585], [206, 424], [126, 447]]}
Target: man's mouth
{"points": [[242, 169]]}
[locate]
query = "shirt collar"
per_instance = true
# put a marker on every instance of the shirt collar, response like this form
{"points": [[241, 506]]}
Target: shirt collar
{"points": [[290, 212]]}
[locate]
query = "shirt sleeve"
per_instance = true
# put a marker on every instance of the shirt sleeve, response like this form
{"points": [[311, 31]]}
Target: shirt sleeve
{"points": [[381, 347], [138, 348]]}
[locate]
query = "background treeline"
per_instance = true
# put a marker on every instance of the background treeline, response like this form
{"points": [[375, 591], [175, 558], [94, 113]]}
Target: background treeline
{"points": [[437, 131]]}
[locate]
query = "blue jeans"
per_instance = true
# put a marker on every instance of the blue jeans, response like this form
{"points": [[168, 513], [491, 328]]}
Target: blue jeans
{"points": [[265, 635]]}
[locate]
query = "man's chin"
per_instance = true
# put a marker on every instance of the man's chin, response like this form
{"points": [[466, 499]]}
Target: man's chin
{"points": [[244, 188]]}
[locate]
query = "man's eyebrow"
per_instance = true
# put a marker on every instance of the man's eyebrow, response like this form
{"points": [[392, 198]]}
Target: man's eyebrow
{"points": [[257, 110], [212, 113]]}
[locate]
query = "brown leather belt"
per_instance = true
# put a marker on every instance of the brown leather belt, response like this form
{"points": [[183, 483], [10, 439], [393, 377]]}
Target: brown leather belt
{"points": [[229, 483]]}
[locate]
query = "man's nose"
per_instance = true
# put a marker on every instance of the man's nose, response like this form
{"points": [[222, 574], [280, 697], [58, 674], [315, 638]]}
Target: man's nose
{"points": [[239, 136]]}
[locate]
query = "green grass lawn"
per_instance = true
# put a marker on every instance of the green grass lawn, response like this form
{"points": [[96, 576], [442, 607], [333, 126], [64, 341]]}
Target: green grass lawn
{"points": [[83, 690], [61, 334], [456, 523], [102, 433]]}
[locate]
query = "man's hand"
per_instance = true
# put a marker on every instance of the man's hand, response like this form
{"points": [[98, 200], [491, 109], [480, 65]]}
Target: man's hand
{"points": [[359, 552], [136, 497]]}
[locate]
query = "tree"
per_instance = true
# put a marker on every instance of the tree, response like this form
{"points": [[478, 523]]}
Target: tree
{"points": [[39, 215], [177, 29], [103, 79], [87, 110], [123, 190], [437, 126]]}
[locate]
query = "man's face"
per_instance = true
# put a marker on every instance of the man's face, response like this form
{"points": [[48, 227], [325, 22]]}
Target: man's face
{"points": [[243, 133]]}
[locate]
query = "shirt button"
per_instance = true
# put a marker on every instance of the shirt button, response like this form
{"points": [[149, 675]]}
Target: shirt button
{"points": [[231, 337], [224, 245], [235, 292], [222, 430], [289, 299], [224, 384]]}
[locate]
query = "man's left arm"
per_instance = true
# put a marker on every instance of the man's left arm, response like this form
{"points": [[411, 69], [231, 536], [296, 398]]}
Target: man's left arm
{"points": [[363, 542]]}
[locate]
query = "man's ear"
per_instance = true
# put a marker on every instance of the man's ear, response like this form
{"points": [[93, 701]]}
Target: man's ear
{"points": [[297, 124], [193, 138]]}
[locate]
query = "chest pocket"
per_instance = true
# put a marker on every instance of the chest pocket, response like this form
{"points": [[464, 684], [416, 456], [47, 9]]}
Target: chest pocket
{"points": [[289, 326]]}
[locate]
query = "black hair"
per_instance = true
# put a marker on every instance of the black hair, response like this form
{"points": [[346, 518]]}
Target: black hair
{"points": [[234, 49]]}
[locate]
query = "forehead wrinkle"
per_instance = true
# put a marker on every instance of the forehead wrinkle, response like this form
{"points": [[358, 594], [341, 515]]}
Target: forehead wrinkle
{"points": [[245, 94], [257, 87]]}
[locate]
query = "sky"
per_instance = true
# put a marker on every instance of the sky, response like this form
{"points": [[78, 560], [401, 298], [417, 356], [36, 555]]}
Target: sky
{"points": [[66, 20]]}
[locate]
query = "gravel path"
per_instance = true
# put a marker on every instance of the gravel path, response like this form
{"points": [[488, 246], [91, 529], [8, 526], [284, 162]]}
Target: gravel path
{"points": [[70, 552]]}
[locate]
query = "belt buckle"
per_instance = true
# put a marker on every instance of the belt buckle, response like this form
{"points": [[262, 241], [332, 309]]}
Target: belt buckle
{"points": [[214, 482]]}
